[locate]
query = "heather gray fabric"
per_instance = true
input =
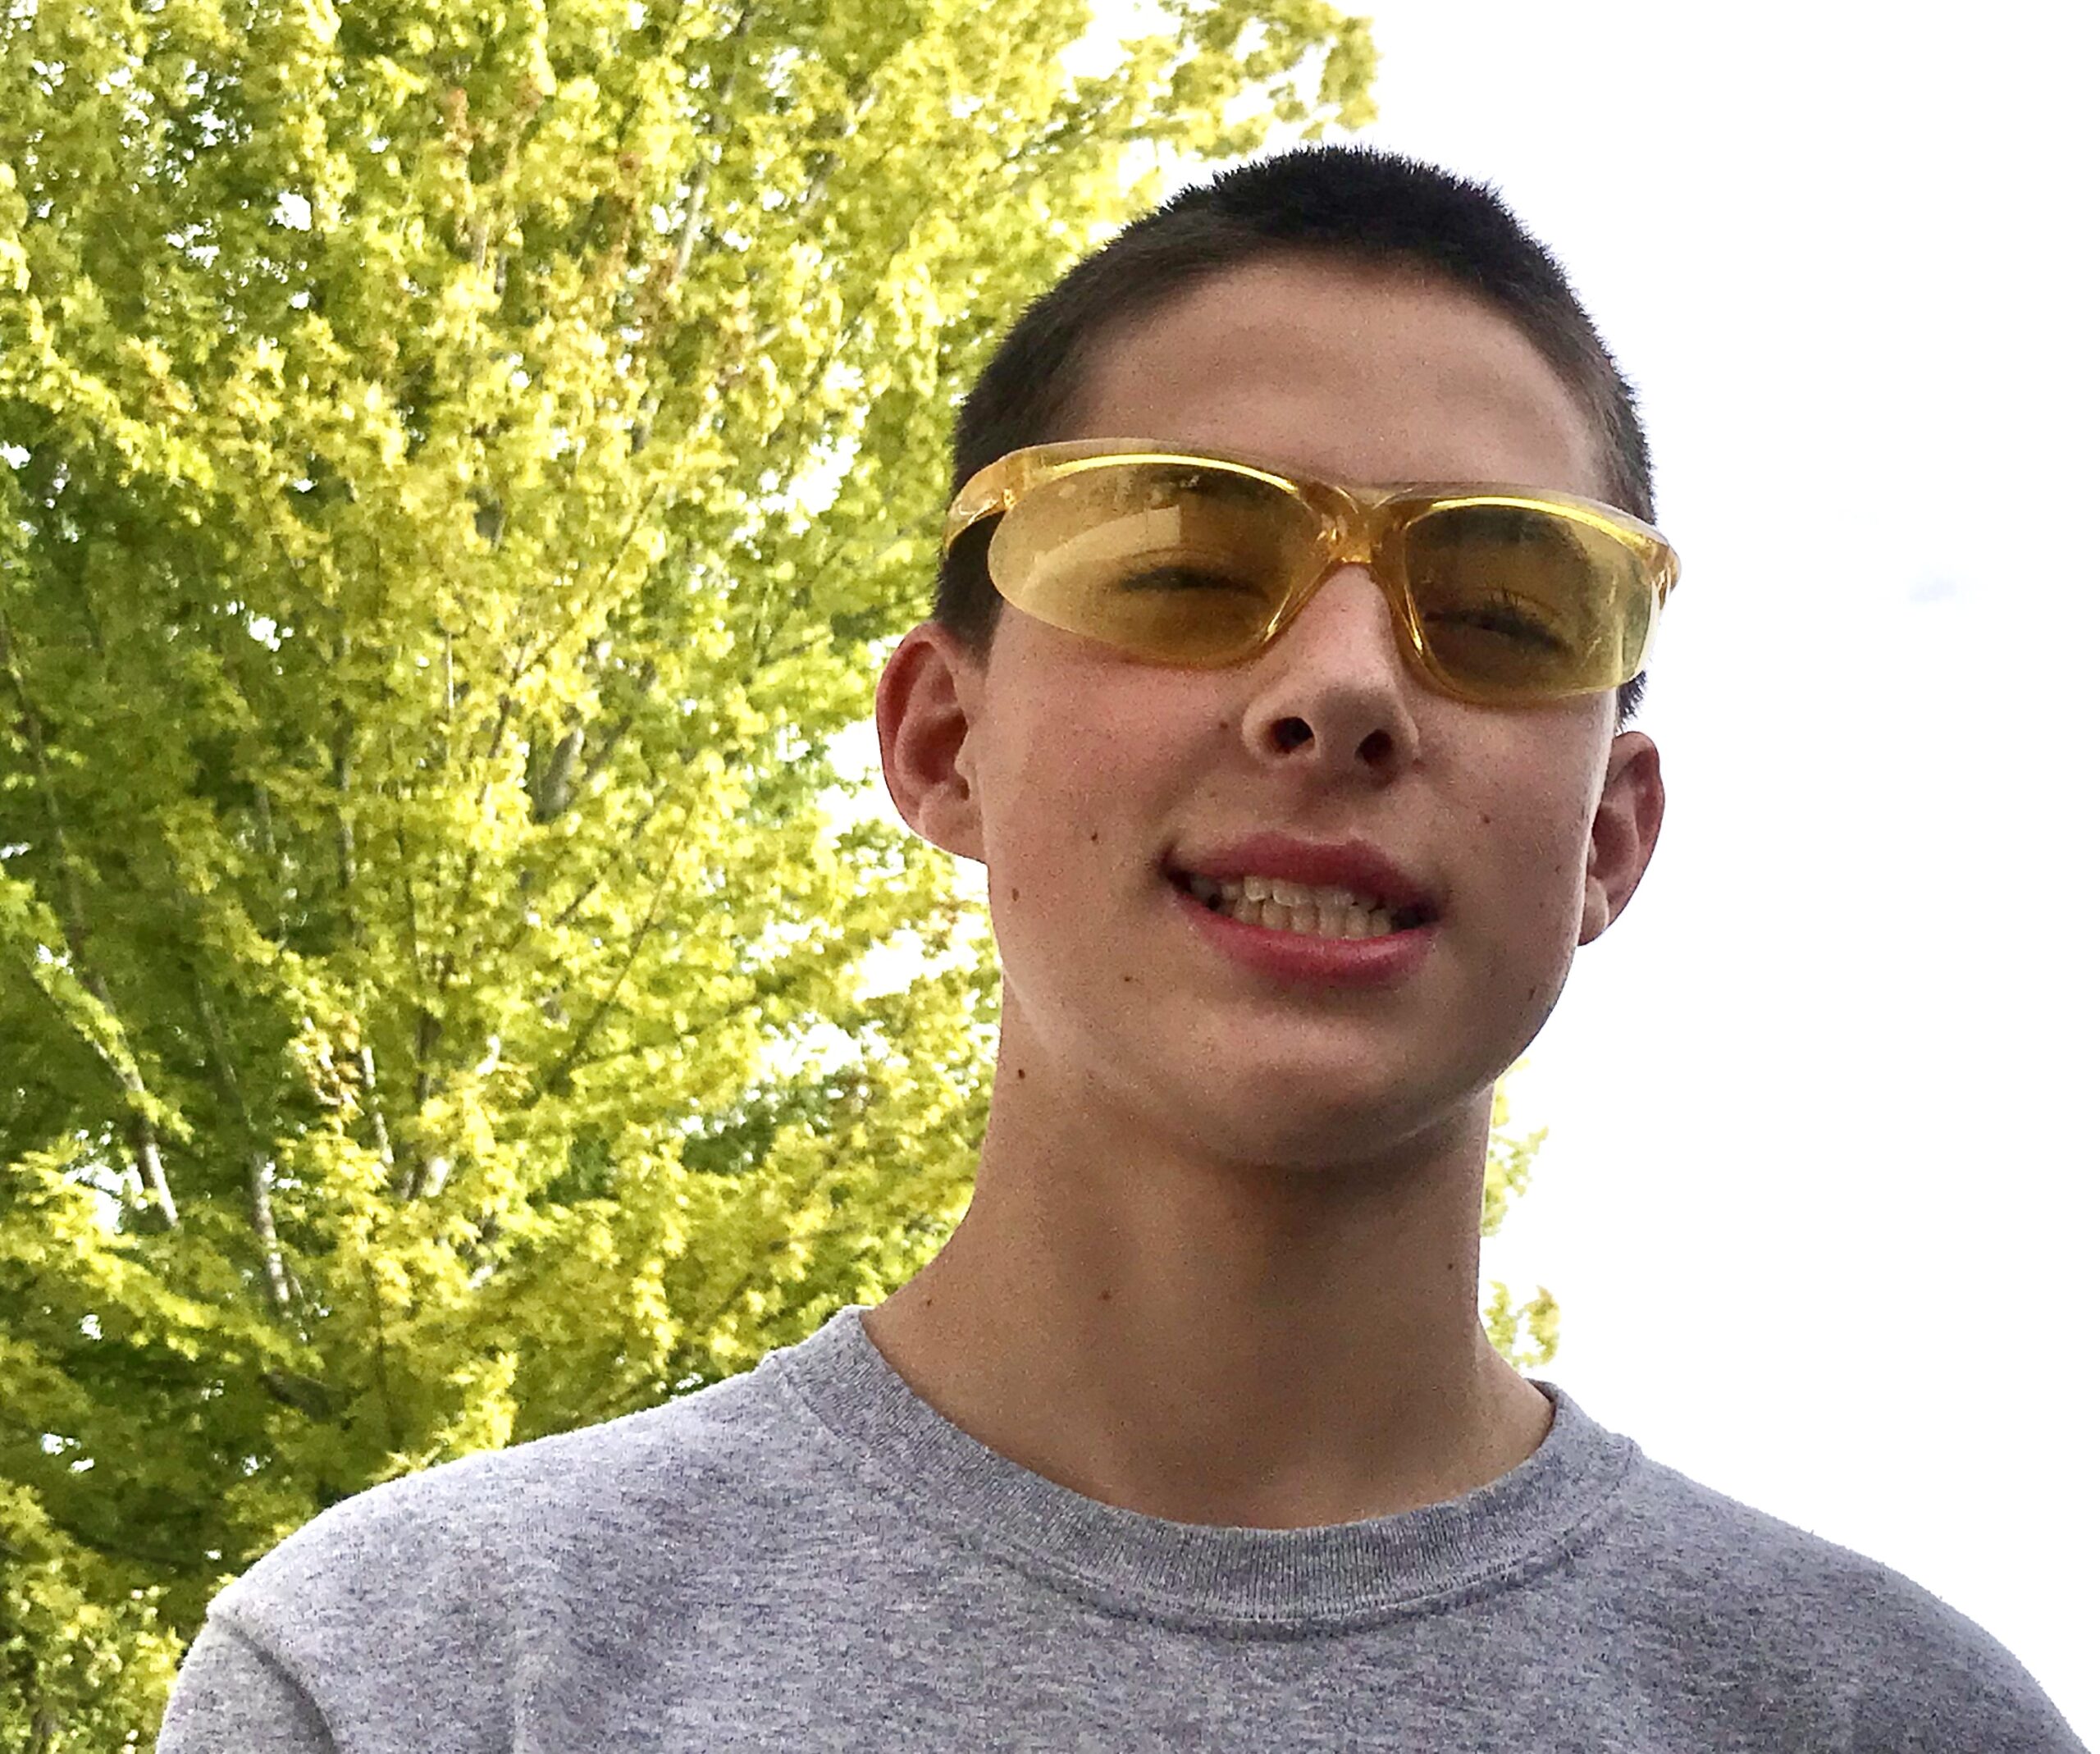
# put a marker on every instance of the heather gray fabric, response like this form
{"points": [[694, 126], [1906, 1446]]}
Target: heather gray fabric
{"points": [[809, 1557]]}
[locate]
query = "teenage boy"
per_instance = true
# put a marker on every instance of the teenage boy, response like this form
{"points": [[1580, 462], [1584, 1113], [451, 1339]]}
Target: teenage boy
{"points": [[1297, 589]]}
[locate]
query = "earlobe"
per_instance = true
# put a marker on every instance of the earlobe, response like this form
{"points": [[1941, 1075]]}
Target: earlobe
{"points": [[1624, 831], [924, 702]]}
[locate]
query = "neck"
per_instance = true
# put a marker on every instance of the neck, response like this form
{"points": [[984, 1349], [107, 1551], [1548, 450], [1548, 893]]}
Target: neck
{"points": [[1210, 1341]]}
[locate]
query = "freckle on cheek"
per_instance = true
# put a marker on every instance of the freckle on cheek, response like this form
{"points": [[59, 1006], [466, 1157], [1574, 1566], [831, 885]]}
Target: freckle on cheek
{"points": [[1093, 837], [1014, 894], [1486, 821], [1020, 1074]]}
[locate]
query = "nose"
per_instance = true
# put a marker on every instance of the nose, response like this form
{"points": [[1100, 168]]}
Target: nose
{"points": [[1333, 693]]}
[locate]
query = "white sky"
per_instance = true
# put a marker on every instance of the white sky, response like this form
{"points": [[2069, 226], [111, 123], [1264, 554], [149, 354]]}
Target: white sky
{"points": [[1822, 1190]]}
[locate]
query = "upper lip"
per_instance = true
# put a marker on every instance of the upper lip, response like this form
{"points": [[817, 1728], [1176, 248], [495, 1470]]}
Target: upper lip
{"points": [[1346, 865]]}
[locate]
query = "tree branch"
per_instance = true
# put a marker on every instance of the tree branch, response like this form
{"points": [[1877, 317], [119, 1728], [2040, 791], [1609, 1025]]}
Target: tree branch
{"points": [[145, 1139], [556, 782], [558, 1074], [771, 658], [428, 1030], [381, 1385], [711, 125], [372, 1108], [534, 659], [614, 1054], [262, 1214], [346, 860]]}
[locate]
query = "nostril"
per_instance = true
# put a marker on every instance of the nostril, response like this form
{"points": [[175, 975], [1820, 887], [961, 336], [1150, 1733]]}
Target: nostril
{"points": [[1289, 732]]}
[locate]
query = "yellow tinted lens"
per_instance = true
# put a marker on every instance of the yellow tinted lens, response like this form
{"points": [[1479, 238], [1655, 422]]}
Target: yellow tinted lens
{"points": [[1180, 563], [1520, 602]]}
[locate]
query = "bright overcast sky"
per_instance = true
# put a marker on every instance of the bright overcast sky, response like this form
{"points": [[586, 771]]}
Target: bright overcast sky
{"points": [[1820, 1199]]}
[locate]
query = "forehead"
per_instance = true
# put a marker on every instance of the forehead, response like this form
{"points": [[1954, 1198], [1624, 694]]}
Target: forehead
{"points": [[1366, 375]]}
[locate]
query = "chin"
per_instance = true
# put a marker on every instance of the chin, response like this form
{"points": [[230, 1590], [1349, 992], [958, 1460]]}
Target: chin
{"points": [[1296, 1119]]}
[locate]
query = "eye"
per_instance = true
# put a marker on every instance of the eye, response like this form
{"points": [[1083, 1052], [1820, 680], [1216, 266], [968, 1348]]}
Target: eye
{"points": [[1507, 618], [1178, 578]]}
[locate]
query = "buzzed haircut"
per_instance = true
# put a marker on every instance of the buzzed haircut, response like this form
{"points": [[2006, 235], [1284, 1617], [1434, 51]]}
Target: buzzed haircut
{"points": [[1357, 205]]}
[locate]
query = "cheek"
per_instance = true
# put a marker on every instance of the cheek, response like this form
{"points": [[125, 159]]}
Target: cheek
{"points": [[1519, 925], [1065, 798], [1089, 763], [1531, 841]]}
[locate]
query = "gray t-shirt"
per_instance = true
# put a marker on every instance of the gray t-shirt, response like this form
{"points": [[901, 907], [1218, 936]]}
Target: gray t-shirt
{"points": [[810, 1557]]}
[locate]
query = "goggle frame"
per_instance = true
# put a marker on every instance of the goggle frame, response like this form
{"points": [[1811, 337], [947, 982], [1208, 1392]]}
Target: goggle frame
{"points": [[1355, 522]]}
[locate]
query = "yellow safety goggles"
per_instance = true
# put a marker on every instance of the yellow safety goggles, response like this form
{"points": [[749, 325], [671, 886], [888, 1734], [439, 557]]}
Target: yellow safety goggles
{"points": [[1506, 596]]}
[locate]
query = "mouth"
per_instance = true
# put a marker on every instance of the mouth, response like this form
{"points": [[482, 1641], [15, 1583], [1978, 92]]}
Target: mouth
{"points": [[1311, 911]]}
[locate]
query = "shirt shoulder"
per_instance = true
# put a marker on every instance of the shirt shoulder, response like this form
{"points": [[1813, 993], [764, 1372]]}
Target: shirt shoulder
{"points": [[446, 1582], [1760, 1604], [231, 1695]]}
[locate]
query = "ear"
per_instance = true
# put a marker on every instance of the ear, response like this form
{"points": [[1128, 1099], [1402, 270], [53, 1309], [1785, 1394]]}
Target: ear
{"points": [[930, 691], [1629, 816]]}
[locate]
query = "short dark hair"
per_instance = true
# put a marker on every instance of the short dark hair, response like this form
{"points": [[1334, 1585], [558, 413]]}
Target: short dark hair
{"points": [[1354, 204]]}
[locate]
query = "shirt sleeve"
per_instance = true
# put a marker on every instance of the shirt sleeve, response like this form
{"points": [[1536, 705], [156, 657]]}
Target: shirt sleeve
{"points": [[231, 1698]]}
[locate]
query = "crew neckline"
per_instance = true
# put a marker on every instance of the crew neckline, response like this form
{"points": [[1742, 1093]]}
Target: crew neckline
{"points": [[902, 1447]]}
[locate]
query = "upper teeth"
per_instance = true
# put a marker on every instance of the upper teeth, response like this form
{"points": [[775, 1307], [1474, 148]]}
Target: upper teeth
{"points": [[1232, 890]]}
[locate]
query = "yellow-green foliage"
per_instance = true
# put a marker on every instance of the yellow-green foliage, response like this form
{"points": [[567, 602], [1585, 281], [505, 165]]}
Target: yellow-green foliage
{"points": [[1509, 1159], [417, 654]]}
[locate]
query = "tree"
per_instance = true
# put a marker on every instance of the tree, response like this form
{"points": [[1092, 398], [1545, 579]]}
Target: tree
{"points": [[462, 464], [1527, 1334]]}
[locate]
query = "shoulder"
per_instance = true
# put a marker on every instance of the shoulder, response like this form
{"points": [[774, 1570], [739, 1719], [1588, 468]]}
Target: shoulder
{"points": [[446, 1576], [231, 1695], [1730, 1589]]}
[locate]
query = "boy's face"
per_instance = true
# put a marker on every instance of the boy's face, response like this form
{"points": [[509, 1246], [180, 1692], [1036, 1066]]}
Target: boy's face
{"points": [[1081, 777]]}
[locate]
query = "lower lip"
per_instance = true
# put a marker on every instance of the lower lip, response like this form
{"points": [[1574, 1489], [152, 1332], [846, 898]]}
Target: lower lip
{"points": [[1301, 955]]}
